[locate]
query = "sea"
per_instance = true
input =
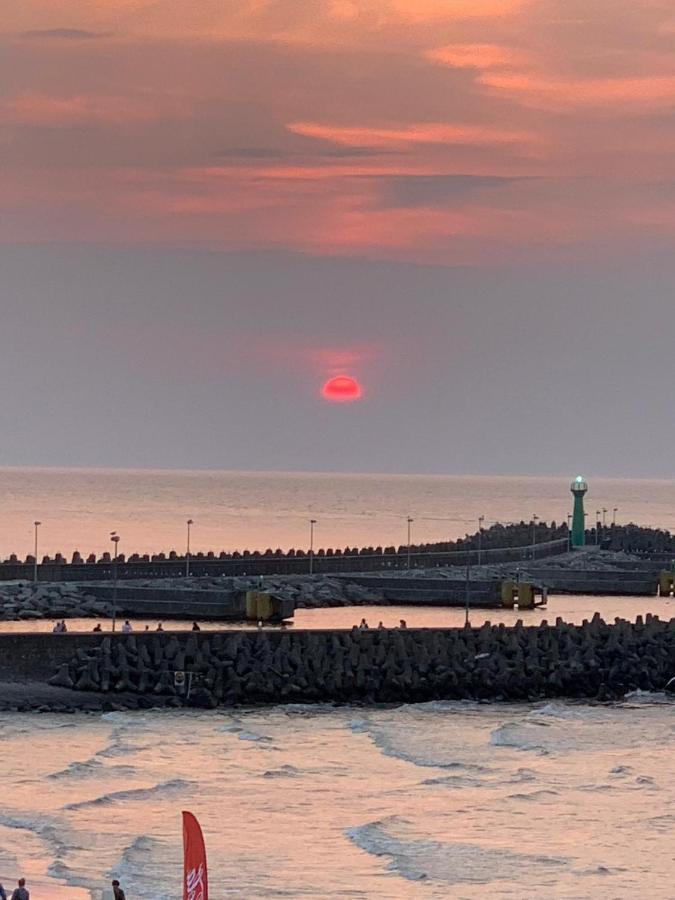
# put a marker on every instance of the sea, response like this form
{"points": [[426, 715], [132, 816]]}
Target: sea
{"points": [[78, 508], [433, 800]]}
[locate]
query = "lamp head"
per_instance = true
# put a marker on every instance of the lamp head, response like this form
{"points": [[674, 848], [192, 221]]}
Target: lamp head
{"points": [[579, 485]]}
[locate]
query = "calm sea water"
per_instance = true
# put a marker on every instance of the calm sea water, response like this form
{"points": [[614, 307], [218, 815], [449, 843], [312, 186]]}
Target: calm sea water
{"points": [[237, 510]]}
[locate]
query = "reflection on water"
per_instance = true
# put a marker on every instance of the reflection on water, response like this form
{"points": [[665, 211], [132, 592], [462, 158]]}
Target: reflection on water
{"points": [[573, 609]]}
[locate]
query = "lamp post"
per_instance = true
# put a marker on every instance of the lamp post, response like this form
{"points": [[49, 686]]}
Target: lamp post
{"points": [[535, 519], [312, 523], [187, 552], [35, 558], [569, 531], [481, 519], [467, 588], [409, 521], [597, 527], [614, 512], [115, 538], [604, 517]]}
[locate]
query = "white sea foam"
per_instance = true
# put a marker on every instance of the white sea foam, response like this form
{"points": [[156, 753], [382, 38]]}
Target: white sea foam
{"points": [[519, 736], [649, 698], [253, 736], [418, 859]]}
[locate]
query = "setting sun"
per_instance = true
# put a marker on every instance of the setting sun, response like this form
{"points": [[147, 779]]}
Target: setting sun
{"points": [[342, 389]]}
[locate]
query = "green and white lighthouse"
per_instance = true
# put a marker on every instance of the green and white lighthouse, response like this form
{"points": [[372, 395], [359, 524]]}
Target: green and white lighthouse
{"points": [[578, 487]]}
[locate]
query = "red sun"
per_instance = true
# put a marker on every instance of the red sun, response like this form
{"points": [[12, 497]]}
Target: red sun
{"points": [[342, 389]]}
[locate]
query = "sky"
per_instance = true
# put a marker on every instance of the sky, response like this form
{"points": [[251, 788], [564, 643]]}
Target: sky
{"points": [[208, 210]]}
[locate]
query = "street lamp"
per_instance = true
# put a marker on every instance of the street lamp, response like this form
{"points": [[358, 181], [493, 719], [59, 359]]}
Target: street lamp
{"points": [[35, 558], [535, 519], [569, 531], [410, 521], [187, 553], [597, 527], [481, 519], [312, 523], [467, 589], [115, 538], [614, 512], [604, 515]]}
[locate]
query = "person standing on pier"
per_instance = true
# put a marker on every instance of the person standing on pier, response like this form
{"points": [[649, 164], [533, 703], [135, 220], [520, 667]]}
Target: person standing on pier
{"points": [[118, 893]]}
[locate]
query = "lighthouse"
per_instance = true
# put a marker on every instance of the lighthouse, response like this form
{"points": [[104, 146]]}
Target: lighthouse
{"points": [[578, 487]]}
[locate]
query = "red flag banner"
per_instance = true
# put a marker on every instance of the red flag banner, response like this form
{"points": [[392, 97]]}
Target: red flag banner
{"points": [[195, 880]]}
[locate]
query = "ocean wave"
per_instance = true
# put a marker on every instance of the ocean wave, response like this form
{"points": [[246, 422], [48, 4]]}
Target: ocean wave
{"points": [[646, 781], [408, 740], [253, 736], [50, 831], [665, 823], [359, 726], [285, 771], [621, 771], [459, 781], [519, 736], [649, 698], [174, 787], [444, 706], [521, 776], [458, 863], [141, 866], [118, 747], [62, 871], [534, 795], [566, 711], [92, 768]]}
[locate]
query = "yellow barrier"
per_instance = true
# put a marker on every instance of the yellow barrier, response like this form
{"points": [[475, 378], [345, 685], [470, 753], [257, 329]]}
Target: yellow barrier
{"points": [[666, 583], [518, 592], [260, 606]]}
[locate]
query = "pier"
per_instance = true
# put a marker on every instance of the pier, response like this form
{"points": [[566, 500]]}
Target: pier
{"points": [[89, 671]]}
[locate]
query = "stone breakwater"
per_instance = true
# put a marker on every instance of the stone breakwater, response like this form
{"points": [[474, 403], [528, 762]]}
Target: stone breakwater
{"points": [[50, 601], [66, 601], [592, 660]]}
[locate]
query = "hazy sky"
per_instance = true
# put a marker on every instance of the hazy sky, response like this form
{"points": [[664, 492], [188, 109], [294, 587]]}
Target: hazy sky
{"points": [[209, 208]]}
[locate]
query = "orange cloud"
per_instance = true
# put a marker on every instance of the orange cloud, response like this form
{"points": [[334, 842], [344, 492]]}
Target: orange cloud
{"points": [[476, 56], [418, 133], [293, 21], [435, 10], [537, 90], [42, 109]]}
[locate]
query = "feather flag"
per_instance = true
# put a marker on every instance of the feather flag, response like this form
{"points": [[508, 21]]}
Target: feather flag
{"points": [[195, 879]]}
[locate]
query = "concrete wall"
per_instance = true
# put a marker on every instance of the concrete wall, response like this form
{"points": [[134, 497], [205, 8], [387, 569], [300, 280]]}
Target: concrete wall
{"points": [[601, 582]]}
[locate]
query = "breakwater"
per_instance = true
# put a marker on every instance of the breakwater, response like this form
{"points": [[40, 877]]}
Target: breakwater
{"points": [[592, 660], [269, 562]]}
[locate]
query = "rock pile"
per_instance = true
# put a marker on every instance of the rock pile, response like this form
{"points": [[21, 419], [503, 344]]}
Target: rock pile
{"points": [[49, 601], [492, 662], [308, 591]]}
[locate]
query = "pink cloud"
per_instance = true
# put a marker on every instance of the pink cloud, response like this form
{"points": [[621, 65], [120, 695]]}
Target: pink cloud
{"points": [[35, 108], [477, 56], [405, 135], [538, 90]]}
